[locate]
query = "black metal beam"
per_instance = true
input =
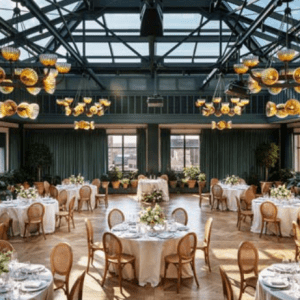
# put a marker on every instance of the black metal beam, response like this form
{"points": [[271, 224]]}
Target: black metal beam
{"points": [[35, 10]]}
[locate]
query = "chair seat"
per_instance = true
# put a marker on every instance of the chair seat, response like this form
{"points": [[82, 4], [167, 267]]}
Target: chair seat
{"points": [[201, 245], [84, 199], [63, 213], [277, 220], [221, 198], [100, 195], [58, 284], [252, 281], [206, 195], [125, 258], [174, 259], [97, 246], [247, 213], [33, 222]]}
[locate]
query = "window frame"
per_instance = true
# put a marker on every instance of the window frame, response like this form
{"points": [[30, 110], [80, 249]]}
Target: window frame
{"points": [[122, 148], [6, 132]]}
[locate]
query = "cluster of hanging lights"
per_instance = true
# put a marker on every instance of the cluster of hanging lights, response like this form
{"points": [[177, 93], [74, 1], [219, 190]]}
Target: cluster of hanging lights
{"points": [[221, 125]]}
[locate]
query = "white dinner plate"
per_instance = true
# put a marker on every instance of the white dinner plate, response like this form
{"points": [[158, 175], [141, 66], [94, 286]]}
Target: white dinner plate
{"points": [[166, 235], [33, 268], [129, 235], [277, 283], [4, 289], [24, 288]]}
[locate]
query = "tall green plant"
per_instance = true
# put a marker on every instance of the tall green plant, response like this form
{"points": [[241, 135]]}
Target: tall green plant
{"points": [[267, 156]]}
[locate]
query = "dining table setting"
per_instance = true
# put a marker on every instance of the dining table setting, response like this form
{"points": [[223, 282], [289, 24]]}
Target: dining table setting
{"points": [[147, 186]]}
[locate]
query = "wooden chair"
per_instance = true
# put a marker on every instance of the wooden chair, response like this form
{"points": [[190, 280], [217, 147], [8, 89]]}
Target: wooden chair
{"points": [[26, 185], [62, 200], [5, 246], [242, 214], [254, 188], [204, 245], [35, 215], [242, 181], [265, 187], [227, 288], [186, 250], [268, 211], [46, 187], [248, 263], [97, 183], [247, 198], [61, 260], [3, 232], [115, 217], [217, 192], [205, 196], [165, 177], [40, 188], [180, 215], [66, 181], [92, 246], [77, 288], [53, 192], [141, 176], [114, 255], [99, 197], [8, 223], [296, 230], [85, 196], [214, 181], [68, 215]]}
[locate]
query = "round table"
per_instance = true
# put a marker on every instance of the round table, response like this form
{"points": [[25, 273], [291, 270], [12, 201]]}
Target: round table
{"points": [[266, 292], [146, 186], [150, 253], [287, 212], [73, 190], [17, 210]]}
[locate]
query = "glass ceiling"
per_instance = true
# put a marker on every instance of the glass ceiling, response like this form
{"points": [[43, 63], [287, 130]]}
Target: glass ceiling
{"points": [[109, 35]]}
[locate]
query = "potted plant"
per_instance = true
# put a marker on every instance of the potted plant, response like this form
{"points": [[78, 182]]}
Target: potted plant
{"points": [[125, 182], [183, 182], [115, 175], [294, 183], [191, 174], [201, 180], [133, 178], [104, 181], [281, 176], [172, 179]]}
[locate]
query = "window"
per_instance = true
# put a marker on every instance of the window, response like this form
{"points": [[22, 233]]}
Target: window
{"points": [[122, 152], [185, 151], [297, 152], [2, 152]]}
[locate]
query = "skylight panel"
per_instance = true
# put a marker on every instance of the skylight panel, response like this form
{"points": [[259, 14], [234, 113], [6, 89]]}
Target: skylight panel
{"points": [[162, 48], [116, 21], [185, 49], [99, 60], [42, 3], [142, 48], [208, 49], [178, 60], [6, 9], [121, 50], [126, 61], [97, 49], [177, 21], [43, 42]]}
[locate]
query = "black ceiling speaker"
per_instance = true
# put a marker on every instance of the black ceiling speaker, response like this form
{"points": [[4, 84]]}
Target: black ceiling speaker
{"points": [[151, 18]]}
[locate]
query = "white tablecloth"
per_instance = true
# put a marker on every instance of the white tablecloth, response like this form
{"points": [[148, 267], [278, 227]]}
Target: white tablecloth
{"points": [[150, 253], [286, 212], [73, 190], [231, 192], [149, 185], [264, 292], [17, 210]]}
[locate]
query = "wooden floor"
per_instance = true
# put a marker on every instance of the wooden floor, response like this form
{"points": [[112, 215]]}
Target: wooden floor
{"points": [[225, 241]]}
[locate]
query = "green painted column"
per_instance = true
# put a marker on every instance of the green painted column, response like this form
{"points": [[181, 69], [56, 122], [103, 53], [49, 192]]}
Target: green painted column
{"points": [[153, 137]]}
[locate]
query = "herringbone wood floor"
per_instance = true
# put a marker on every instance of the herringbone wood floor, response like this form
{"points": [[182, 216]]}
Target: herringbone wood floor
{"points": [[225, 241]]}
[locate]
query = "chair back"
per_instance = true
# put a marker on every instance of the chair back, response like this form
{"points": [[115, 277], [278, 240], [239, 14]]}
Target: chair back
{"points": [[61, 259], [165, 177], [89, 231], [248, 197], [268, 210], [217, 191], [241, 181], [36, 212], [77, 288], [3, 230], [66, 181], [180, 215], [207, 231], [112, 246], [296, 230], [85, 192], [214, 181], [97, 183], [5, 246], [53, 192], [62, 199], [247, 258], [238, 204], [265, 187], [115, 217], [227, 288], [5, 219], [71, 206], [141, 176], [47, 187], [254, 188], [187, 246]]}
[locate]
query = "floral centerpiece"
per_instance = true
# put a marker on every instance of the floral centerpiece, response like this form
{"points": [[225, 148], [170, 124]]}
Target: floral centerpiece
{"points": [[30, 193], [280, 192], [4, 261], [76, 179], [152, 216], [155, 196], [232, 180]]}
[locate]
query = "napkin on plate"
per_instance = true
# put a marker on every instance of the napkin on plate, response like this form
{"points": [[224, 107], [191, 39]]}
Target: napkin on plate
{"points": [[277, 282], [33, 284], [182, 228]]}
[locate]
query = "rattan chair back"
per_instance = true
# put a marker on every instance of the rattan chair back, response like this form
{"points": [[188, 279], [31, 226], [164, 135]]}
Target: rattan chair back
{"points": [[85, 192], [238, 204], [62, 198], [141, 176], [77, 288], [47, 187], [71, 206], [180, 215], [115, 217], [3, 230], [5, 246], [186, 248], [268, 210], [5, 219], [112, 246], [207, 231], [89, 231], [53, 192], [35, 212], [247, 258], [97, 183], [217, 191], [265, 187], [214, 181], [61, 259], [296, 230], [254, 188], [227, 288], [165, 177], [66, 181], [241, 181], [248, 197]]}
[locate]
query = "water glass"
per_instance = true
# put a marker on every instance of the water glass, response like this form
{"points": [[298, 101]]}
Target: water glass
{"points": [[15, 291]]}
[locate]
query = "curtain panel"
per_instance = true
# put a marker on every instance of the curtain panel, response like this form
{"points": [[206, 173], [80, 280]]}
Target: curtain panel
{"points": [[141, 150], [14, 149], [165, 140]]}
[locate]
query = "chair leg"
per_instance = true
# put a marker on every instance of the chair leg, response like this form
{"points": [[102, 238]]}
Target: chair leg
{"points": [[68, 223], [207, 258], [134, 270], [89, 261], [296, 254], [73, 221], [266, 228], [11, 227], [241, 291], [262, 227], [24, 235], [120, 277], [165, 273], [279, 226], [105, 272], [43, 230], [194, 271], [59, 221], [178, 278]]}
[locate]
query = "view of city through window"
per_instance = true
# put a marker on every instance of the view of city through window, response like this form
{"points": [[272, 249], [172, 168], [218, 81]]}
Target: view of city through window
{"points": [[122, 152], [2, 152], [185, 151]]}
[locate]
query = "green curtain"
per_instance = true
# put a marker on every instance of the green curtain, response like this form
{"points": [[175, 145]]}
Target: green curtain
{"points": [[14, 149], [289, 144], [141, 150], [232, 152], [73, 151], [165, 150]]}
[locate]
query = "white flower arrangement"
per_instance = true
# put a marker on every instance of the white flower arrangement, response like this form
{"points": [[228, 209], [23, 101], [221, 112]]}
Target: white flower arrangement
{"points": [[152, 216], [155, 196], [280, 192], [78, 179], [30, 193], [232, 180]]}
